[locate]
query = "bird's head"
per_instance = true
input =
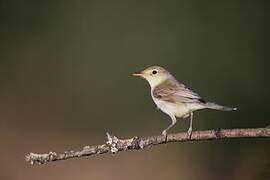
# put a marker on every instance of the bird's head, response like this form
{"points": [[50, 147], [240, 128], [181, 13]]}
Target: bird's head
{"points": [[154, 75]]}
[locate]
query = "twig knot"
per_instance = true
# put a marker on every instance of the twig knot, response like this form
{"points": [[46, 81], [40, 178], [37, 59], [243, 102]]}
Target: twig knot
{"points": [[112, 143]]}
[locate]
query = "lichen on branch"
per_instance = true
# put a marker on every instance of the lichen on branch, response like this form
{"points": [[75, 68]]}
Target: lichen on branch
{"points": [[115, 145]]}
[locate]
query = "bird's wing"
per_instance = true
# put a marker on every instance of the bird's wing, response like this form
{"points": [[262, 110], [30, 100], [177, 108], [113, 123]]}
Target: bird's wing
{"points": [[173, 91]]}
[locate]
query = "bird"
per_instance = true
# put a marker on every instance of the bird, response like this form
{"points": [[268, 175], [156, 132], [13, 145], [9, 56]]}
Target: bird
{"points": [[174, 98]]}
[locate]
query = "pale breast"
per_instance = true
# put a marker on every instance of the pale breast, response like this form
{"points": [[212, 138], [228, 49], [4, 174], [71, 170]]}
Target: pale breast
{"points": [[177, 109]]}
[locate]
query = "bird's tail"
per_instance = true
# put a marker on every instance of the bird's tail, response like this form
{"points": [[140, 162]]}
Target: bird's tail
{"points": [[211, 105]]}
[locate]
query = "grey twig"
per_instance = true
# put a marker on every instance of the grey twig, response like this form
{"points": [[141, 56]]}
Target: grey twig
{"points": [[114, 145]]}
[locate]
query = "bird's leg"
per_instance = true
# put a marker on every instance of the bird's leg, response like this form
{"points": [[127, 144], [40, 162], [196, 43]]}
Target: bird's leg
{"points": [[189, 132], [164, 132]]}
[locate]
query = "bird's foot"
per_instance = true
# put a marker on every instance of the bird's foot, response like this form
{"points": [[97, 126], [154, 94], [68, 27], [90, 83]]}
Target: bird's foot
{"points": [[164, 133], [189, 132]]}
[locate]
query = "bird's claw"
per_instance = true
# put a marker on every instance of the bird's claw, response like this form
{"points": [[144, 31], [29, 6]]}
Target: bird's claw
{"points": [[164, 133], [189, 132]]}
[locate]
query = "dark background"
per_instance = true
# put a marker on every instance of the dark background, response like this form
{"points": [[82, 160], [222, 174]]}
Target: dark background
{"points": [[65, 81]]}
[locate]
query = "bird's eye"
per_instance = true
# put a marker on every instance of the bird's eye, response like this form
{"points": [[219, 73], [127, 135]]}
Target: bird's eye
{"points": [[154, 72]]}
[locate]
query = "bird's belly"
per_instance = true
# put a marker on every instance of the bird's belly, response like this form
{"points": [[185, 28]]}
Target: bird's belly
{"points": [[177, 109]]}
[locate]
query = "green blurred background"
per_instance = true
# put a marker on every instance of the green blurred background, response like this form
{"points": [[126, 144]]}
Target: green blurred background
{"points": [[65, 80]]}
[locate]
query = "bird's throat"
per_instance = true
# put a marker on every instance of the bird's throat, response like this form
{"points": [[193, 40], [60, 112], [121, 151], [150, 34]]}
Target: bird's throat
{"points": [[154, 82]]}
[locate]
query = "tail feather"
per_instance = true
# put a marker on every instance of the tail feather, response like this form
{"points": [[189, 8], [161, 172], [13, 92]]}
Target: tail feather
{"points": [[211, 105]]}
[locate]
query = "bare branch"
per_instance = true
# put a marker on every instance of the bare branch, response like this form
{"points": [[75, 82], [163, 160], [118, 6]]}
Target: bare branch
{"points": [[114, 145]]}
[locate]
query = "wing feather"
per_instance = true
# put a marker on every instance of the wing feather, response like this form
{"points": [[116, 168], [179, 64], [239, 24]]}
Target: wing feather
{"points": [[173, 91]]}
